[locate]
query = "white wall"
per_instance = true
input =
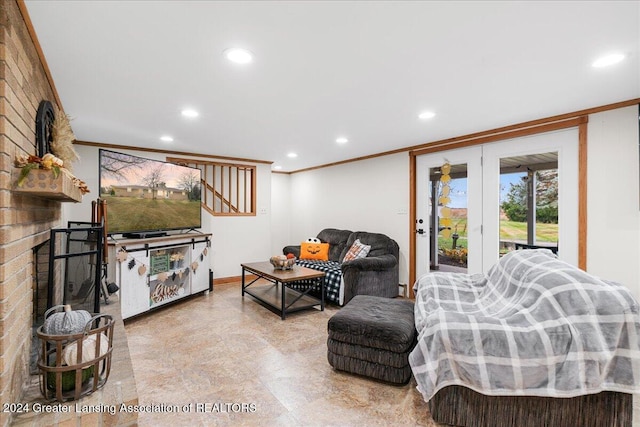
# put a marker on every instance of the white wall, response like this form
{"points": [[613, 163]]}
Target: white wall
{"points": [[613, 208], [280, 212], [235, 239], [369, 195]]}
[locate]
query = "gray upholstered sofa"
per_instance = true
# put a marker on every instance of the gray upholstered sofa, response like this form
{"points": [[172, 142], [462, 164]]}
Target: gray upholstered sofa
{"points": [[376, 274]]}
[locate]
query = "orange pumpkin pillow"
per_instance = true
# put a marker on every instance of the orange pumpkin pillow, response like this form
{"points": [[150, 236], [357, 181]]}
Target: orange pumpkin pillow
{"points": [[312, 250]]}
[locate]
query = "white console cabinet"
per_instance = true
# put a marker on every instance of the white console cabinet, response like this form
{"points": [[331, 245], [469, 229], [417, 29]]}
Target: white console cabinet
{"points": [[158, 270]]}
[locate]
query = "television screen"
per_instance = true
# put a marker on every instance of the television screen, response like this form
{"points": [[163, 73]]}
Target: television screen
{"points": [[147, 197]]}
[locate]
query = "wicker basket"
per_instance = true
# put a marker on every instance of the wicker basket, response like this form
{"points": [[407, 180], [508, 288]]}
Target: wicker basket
{"points": [[62, 382]]}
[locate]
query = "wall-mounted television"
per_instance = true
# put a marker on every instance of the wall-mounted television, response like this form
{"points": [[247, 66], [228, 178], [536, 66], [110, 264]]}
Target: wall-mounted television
{"points": [[146, 197]]}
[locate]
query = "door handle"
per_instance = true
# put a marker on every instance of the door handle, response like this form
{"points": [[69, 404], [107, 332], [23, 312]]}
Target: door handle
{"points": [[420, 231]]}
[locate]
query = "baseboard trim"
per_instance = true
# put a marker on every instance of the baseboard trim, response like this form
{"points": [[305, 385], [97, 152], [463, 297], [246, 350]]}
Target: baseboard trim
{"points": [[233, 279]]}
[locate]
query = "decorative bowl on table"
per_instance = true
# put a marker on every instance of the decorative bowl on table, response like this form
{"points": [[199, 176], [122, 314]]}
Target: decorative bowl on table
{"points": [[281, 262]]}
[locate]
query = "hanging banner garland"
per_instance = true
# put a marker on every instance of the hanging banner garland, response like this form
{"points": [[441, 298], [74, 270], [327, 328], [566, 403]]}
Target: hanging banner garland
{"points": [[122, 255], [444, 200]]}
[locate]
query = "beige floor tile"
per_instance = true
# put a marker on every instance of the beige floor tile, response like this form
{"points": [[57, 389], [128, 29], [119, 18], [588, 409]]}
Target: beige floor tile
{"points": [[228, 350]]}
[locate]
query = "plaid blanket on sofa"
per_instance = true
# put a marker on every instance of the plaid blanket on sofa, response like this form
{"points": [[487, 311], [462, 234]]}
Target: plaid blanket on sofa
{"points": [[533, 326], [333, 289]]}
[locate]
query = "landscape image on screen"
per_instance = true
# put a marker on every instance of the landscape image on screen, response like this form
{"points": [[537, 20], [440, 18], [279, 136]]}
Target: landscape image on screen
{"points": [[145, 195]]}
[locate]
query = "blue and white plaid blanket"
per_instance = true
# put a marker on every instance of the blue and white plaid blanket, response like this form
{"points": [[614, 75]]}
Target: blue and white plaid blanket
{"points": [[332, 279]]}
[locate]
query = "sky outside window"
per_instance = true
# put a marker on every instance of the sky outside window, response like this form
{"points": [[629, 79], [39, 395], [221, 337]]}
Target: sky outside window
{"points": [[458, 187]]}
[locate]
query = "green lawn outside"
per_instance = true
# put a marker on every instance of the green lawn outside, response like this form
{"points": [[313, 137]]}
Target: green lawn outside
{"points": [[509, 230]]}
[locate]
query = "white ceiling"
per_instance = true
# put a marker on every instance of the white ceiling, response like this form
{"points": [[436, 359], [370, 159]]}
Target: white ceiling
{"points": [[125, 69]]}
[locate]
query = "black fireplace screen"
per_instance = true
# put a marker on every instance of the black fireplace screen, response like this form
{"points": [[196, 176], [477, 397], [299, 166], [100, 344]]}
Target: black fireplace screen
{"points": [[75, 266]]}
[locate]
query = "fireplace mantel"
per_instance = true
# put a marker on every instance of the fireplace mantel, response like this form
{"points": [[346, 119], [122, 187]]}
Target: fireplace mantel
{"points": [[41, 183]]}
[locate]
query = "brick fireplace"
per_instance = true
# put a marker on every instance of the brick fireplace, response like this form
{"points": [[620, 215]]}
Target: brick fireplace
{"points": [[25, 228], [25, 222]]}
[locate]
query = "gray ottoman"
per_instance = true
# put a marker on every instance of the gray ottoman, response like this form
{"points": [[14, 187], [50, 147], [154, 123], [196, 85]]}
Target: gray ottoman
{"points": [[373, 336]]}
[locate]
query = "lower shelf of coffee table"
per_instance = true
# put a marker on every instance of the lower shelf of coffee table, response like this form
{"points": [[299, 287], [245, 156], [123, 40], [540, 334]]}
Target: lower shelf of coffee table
{"points": [[271, 295]]}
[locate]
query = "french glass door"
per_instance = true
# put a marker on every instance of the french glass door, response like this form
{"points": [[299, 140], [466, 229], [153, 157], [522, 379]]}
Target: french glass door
{"points": [[500, 196], [449, 211], [546, 165]]}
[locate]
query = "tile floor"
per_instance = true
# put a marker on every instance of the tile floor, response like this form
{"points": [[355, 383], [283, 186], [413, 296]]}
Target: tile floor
{"points": [[245, 366]]}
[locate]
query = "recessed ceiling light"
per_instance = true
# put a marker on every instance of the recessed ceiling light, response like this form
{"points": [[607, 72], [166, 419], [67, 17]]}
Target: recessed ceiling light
{"points": [[239, 56], [426, 115], [605, 61], [166, 138], [277, 167], [342, 140], [292, 155], [190, 113]]}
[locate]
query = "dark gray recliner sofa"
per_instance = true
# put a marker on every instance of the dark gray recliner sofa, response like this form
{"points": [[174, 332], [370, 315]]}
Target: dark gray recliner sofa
{"points": [[376, 274]]}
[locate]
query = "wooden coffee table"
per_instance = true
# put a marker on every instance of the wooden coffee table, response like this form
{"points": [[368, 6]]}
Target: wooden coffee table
{"points": [[277, 294]]}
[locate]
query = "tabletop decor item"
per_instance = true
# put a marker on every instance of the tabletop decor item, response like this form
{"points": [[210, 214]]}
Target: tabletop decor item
{"points": [[282, 262]]}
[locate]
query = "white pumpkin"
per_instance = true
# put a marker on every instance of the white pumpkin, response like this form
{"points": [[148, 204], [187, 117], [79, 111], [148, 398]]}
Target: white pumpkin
{"points": [[70, 352]]}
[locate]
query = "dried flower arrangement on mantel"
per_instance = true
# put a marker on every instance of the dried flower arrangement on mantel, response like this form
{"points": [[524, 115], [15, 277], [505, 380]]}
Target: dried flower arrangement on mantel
{"points": [[62, 138], [55, 179]]}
